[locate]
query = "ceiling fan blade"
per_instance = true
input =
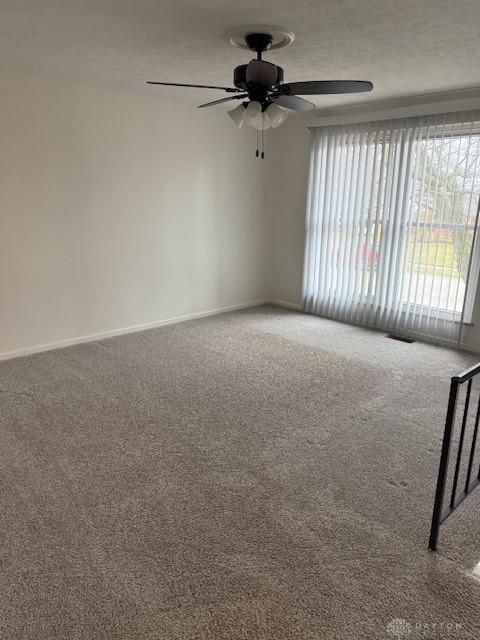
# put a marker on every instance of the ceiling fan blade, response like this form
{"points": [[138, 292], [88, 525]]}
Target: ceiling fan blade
{"points": [[196, 86], [210, 104], [292, 102], [319, 87]]}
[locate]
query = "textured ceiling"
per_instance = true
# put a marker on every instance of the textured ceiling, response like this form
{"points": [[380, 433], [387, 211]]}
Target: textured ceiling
{"points": [[406, 47]]}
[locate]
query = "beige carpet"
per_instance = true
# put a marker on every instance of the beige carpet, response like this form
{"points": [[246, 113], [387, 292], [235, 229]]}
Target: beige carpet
{"points": [[260, 474]]}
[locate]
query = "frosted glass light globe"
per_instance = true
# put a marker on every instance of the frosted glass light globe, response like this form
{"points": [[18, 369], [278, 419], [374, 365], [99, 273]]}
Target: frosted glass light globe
{"points": [[263, 122], [253, 110], [237, 115], [276, 115]]}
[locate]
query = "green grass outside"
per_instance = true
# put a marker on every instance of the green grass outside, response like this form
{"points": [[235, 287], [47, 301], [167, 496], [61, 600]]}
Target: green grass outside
{"points": [[435, 258]]}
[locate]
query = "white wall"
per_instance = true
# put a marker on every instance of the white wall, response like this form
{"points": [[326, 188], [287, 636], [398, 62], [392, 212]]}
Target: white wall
{"points": [[120, 209], [288, 164]]}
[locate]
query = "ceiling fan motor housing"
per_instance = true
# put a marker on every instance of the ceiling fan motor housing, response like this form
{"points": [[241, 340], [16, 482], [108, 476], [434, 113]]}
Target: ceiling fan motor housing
{"points": [[240, 77]]}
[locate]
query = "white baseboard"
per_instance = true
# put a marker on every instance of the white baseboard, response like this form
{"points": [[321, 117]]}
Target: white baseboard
{"points": [[288, 305], [17, 353], [469, 347]]}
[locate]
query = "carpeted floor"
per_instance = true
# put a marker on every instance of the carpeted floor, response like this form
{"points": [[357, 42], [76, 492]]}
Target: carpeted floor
{"points": [[259, 474]]}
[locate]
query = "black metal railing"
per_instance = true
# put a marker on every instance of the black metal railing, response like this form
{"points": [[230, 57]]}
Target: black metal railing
{"points": [[456, 496]]}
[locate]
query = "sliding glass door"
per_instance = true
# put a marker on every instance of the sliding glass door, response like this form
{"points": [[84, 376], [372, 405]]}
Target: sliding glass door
{"points": [[391, 223]]}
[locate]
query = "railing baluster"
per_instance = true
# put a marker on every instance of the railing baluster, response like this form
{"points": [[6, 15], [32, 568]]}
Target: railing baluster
{"points": [[439, 515], [472, 449], [443, 468], [460, 445]]}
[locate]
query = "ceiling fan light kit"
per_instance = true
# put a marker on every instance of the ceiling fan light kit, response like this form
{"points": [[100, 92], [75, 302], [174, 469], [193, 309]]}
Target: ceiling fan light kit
{"points": [[259, 84], [254, 116]]}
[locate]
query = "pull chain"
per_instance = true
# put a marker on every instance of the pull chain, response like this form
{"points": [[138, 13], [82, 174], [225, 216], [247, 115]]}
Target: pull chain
{"points": [[262, 141]]}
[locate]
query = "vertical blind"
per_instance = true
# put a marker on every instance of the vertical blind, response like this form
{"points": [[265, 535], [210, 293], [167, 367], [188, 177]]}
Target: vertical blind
{"points": [[392, 213]]}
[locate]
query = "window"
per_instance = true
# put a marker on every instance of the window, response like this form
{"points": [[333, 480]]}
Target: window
{"points": [[441, 234]]}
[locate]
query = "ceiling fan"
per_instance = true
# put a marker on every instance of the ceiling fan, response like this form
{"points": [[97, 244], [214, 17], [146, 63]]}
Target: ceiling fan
{"points": [[260, 85]]}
